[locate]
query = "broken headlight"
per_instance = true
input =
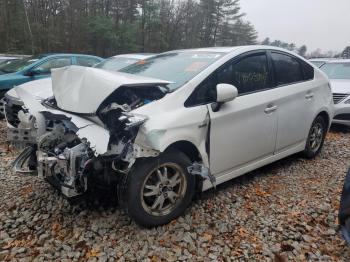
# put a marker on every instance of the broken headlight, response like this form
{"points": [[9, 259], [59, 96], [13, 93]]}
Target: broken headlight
{"points": [[132, 120]]}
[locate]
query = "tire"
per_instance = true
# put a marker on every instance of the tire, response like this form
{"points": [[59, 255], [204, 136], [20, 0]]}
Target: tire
{"points": [[316, 137], [344, 209], [148, 201]]}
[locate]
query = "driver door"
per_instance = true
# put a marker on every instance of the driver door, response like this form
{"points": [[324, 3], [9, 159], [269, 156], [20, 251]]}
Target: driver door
{"points": [[244, 130]]}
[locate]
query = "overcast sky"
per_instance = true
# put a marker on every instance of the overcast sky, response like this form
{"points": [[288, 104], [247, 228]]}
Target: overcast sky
{"points": [[321, 24]]}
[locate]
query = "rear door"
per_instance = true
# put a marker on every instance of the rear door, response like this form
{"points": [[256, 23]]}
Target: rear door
{"points": [[295, 91]]}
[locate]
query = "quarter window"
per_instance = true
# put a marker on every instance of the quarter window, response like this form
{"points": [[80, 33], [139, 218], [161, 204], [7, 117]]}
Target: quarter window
{"points": [[287, 69]]}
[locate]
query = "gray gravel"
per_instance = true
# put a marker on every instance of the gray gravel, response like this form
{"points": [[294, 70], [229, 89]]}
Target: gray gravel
{"points": [[286, 211]]}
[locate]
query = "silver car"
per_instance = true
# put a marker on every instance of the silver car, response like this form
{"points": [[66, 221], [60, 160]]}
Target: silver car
{"points": [[338, 71]]}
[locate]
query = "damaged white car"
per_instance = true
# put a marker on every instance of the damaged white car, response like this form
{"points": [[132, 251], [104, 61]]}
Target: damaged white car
{"points": [[173, 125]]}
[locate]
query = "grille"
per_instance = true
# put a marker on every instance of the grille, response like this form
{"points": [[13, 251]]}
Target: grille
{"points": [[343, 117], [337, 98]]}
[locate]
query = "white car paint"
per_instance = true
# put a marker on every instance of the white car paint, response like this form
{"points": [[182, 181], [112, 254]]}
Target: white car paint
{"points": [[246, 133], [41, 89], [82, 89], [95, 134], [341, 95]]}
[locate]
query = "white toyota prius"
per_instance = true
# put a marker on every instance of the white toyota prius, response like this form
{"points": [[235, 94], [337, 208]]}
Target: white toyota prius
{"points": [[172, 125]]}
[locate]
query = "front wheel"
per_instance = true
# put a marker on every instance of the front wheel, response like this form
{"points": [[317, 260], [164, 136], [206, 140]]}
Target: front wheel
{"points": [[316, 137], [159, 189]]}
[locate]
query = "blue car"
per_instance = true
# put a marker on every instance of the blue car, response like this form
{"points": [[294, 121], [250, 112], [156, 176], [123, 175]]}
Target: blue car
{"points": [[37, 67]]}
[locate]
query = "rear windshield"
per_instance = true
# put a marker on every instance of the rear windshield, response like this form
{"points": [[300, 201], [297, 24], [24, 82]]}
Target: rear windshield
{"points": [[337, 70], [176, 67]]}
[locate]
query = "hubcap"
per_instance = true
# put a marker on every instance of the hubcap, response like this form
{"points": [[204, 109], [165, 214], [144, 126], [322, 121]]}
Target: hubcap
{"points": [[163, 189], [316, 137]]}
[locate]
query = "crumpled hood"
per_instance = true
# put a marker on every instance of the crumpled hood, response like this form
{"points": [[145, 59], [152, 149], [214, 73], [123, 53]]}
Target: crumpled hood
{"points": [[82, 89], [95, 134], [40, 89], [340, 86]]}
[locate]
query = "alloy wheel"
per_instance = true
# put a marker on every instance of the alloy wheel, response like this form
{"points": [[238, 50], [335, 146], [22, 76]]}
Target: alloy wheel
{"points": [[163, 189], [316, 136]]}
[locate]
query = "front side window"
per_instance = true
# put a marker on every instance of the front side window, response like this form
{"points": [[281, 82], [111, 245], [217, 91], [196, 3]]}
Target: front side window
{"points": [[249, 74], [87, 61], [287, 69], [175, 67], [46, 67], [337, 70]]}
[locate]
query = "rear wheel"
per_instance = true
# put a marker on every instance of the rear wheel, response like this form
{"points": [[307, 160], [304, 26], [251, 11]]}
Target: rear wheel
{"points": [[316, 137], [159, 189]]}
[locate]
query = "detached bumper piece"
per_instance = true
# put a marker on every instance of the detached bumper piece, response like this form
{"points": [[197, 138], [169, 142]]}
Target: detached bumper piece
{"points": [[25, 163]]}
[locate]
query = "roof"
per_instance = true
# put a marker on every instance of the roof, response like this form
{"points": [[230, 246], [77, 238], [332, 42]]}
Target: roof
{"points": [[135, 56], [228, 49], [321, 59], [8, 57], [334, 61], [211, 49]]}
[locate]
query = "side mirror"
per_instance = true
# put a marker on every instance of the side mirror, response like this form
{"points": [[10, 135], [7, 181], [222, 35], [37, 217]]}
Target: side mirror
{"points": [[224, 93], [35, 71], [29, 73]]}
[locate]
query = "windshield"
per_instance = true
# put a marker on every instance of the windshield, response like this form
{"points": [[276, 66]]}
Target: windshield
{"points": [[337, 70], [176, 67], [17, 65], [116, 63]]}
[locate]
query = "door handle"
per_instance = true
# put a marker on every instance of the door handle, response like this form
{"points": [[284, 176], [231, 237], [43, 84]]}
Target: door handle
{"points": [[309, 95], [270, 108]]}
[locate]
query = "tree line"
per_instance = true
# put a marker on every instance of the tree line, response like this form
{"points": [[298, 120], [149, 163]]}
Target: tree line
{"points": [[109, 27], [301, 50]]}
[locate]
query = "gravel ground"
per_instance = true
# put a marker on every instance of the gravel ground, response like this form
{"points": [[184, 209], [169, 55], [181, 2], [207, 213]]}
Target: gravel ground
{"points": [[286, 211]]}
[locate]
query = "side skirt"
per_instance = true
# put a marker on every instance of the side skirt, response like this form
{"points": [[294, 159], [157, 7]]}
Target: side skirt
{"points": [[223, 177]]}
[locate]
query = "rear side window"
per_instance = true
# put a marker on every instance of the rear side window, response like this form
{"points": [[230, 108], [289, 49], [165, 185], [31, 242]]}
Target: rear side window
{"points": [[287, 69], [87, 61]]}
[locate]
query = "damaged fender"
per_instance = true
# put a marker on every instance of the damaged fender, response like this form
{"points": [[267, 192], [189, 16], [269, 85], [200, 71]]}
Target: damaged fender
{"points": [[180, 127]]}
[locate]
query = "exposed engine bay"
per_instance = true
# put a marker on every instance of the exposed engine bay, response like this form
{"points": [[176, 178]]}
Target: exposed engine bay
{"points": [[69, 160]]}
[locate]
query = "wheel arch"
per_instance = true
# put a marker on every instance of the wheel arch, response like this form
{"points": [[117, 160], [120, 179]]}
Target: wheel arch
{"points": [[193, 153], [325, 116], [188, 148]]}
